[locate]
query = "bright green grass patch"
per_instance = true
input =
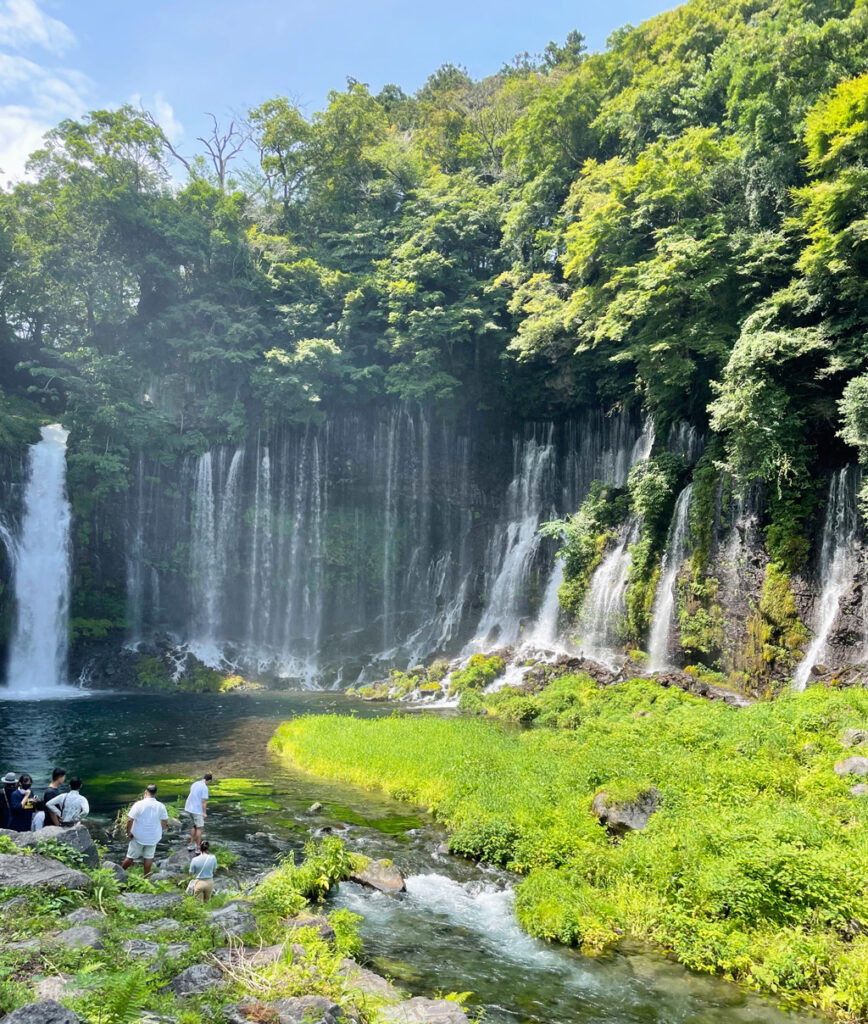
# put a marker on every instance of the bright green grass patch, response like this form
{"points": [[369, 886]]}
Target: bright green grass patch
{"points": [[755, 866]]}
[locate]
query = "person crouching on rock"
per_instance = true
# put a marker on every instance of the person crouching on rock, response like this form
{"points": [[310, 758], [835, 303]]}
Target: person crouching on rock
{"points": [[146, 823], [202, 869]]}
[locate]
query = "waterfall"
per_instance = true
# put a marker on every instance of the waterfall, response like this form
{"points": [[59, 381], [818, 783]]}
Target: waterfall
{"points": [[204, 554], [836, 567], [664, 600], [38, 653], [604, 608], [514, 542]]}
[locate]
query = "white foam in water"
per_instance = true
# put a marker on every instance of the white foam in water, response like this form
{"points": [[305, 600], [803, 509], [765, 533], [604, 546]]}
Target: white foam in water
{"points": [[38, 653]]}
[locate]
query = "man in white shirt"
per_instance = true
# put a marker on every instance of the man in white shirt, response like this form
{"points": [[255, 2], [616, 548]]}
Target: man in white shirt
{"points": [[146, 822], [196, 808], [68, 808]]}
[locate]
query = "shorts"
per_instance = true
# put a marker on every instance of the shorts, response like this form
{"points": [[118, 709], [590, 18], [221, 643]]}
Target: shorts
{"points": [[198, 819], [144, 850]]}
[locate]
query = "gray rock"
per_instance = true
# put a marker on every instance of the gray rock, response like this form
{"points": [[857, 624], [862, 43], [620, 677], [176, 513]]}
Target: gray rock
{"points": [[380, 874], [195, 980], [24, 945], [261, 957], [162, 924], [77, 837], [234, 918], [45, 1012], [84, 915], [83, 936], [56, 987], [322, 925], [854, 737], [627, 815], [141, 949], [425, 1011], [367, 981], [163, 876], [310, 1009], [116, 870], [860, 789], [852, 766], [151, 901], [40, 873], [314, 808], [176, 949], [177, 863]]}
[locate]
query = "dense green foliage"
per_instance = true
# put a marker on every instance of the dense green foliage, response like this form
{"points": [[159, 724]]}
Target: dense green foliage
{"points": [[754, 865], [677, 222]]}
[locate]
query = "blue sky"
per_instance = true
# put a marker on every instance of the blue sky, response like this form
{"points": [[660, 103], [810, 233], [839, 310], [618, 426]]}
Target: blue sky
{"points": [[180, 58]]}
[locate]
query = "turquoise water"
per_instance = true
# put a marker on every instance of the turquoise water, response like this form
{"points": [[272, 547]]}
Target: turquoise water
{"points": [[453, 930]]}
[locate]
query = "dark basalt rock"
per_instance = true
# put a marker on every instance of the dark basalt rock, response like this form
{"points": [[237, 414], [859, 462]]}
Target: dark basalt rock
{"points": [[621, 817], [46, 1012]]}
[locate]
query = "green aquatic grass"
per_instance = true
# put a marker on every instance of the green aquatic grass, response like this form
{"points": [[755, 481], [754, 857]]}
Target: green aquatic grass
{"points": [[755, 866]]}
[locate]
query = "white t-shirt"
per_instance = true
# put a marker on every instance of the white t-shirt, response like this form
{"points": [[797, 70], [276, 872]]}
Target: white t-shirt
{"points": [[198, 793], [146, 815], [71, 806], [38, 821]]}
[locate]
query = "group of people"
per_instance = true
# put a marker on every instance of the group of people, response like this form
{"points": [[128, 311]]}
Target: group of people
{"points": [[146, 822], [22, 810]]}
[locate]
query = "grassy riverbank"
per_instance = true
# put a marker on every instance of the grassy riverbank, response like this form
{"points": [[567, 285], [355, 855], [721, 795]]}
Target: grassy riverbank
{"points": [[755, 865]]}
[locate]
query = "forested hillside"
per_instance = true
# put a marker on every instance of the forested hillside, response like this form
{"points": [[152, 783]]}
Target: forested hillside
{"points": [[677, 225]]}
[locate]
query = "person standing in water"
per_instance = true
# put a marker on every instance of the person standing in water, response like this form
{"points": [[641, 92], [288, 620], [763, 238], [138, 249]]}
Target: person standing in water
{"points": [[196, 807]]}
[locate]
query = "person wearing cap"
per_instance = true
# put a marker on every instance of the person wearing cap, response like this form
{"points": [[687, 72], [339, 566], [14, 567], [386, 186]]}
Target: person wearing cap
{"points": [[146, 823], [196, 804], [10, 783]]}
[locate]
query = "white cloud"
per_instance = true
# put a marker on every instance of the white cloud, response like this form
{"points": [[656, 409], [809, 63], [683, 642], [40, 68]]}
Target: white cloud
{"points": [[23, 24], [164, 114], [34, 96]]}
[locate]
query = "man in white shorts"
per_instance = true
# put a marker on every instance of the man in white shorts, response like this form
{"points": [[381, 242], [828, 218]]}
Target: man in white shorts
{"points": [[146, 822], [196, 808]]}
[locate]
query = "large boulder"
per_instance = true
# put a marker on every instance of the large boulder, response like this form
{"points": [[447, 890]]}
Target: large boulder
{"points": [[116, 870], [196, 980], [77, 837], [177, 863], [39, 872], [234, 918], [425, 1011], [46, 1012], [380, 874], [83, 936], [622, 816], [852, 766]]}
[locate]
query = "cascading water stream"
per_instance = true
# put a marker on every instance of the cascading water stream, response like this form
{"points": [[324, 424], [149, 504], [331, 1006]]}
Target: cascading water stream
{"points": [[38, 652], [836, 567], [664, 600]]}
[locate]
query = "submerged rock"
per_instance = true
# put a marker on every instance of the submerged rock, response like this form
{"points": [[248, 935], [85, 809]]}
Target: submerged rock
{"points": [[623, 816], [314, 808], [852, 766], [39, 872], [380, 874], [45, 1012]]}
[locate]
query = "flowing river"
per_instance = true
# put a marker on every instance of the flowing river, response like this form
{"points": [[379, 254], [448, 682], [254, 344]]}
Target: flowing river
{"points": [[453, 929]]}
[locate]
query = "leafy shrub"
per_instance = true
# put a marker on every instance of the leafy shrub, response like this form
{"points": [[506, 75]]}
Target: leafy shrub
{"points": [[477, 673]]}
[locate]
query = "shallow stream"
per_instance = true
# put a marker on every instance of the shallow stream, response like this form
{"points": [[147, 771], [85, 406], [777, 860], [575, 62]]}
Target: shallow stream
{"points": [[453, 929]]}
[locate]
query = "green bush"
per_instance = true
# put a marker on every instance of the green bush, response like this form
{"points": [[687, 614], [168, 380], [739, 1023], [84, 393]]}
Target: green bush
{"points": [[477, 673]]}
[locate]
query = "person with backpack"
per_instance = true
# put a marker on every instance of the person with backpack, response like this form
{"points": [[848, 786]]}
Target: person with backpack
{"points": [[68, 809]]}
